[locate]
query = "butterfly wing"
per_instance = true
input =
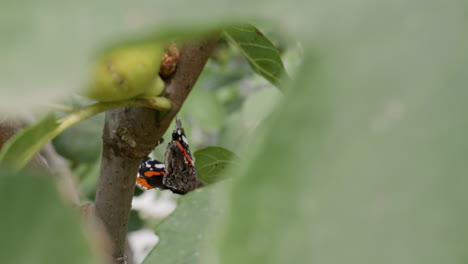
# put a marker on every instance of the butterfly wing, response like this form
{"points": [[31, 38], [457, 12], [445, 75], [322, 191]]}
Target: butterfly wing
{"points": [[151, 174], [181, 174]]}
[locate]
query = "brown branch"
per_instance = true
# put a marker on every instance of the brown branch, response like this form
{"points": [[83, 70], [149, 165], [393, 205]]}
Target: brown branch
{"points": [[8, 127], [130, 134]]}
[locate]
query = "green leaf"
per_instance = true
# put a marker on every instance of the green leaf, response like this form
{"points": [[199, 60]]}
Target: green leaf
{"points": [[35, 226], [25, 144], [262, 55], [181, 235], [82, 143], [212, 163], [365, 160]]}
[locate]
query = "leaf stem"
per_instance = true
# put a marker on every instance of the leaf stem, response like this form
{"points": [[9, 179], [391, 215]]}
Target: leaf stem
{"points": [[157, 103]]}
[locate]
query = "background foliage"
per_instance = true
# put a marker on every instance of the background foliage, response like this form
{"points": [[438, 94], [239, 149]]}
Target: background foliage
{"points": [[36, 227], [361, 160]]}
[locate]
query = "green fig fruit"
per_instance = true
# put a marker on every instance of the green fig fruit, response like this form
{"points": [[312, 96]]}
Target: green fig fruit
{"points": [[127, 72]]}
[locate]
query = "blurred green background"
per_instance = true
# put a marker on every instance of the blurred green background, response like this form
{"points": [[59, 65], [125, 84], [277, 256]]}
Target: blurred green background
{"points": [[360, 158]]}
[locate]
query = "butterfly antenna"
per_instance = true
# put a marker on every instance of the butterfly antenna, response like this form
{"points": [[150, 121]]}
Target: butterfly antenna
{"points": [[178, 123]]}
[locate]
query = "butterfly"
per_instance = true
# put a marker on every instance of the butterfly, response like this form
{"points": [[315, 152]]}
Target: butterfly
{"points": [[177, 173]]}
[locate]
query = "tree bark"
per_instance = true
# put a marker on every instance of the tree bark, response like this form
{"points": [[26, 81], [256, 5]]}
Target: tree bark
{"points": [[8, 128], [130, 134]]}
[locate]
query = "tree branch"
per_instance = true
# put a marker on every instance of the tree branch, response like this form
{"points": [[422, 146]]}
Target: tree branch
{"points": [[130, 134]]}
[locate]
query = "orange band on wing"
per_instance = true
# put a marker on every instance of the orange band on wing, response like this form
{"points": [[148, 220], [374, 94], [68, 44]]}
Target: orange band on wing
{"points": [[187, 156], [143, 183], [153, 173]]}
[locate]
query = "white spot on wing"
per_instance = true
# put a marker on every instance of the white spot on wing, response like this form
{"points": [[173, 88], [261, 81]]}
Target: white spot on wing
{"points": [[184, 140]]}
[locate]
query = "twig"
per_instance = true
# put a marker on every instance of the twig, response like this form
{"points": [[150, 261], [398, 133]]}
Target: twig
{"points": [[58, 167], [130, 134]]}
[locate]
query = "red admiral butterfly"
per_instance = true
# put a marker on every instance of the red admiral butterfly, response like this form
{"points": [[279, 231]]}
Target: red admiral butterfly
{"points": [[178, 172]]}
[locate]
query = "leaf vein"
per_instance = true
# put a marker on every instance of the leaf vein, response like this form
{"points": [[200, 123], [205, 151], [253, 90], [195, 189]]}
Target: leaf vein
{"points": [[247, 56], [259, 46]]}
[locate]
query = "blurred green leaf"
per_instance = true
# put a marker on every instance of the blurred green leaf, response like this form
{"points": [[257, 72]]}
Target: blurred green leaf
{"points": [[22, 146], [212, 163], [134, 222], [365, 160], [259, 105], [87, 175], [241, 127], [227, 94], [182, 233], [233, 132], [262, 55], [215, 76], [82, 142], [205, 109], [35, 226]]}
